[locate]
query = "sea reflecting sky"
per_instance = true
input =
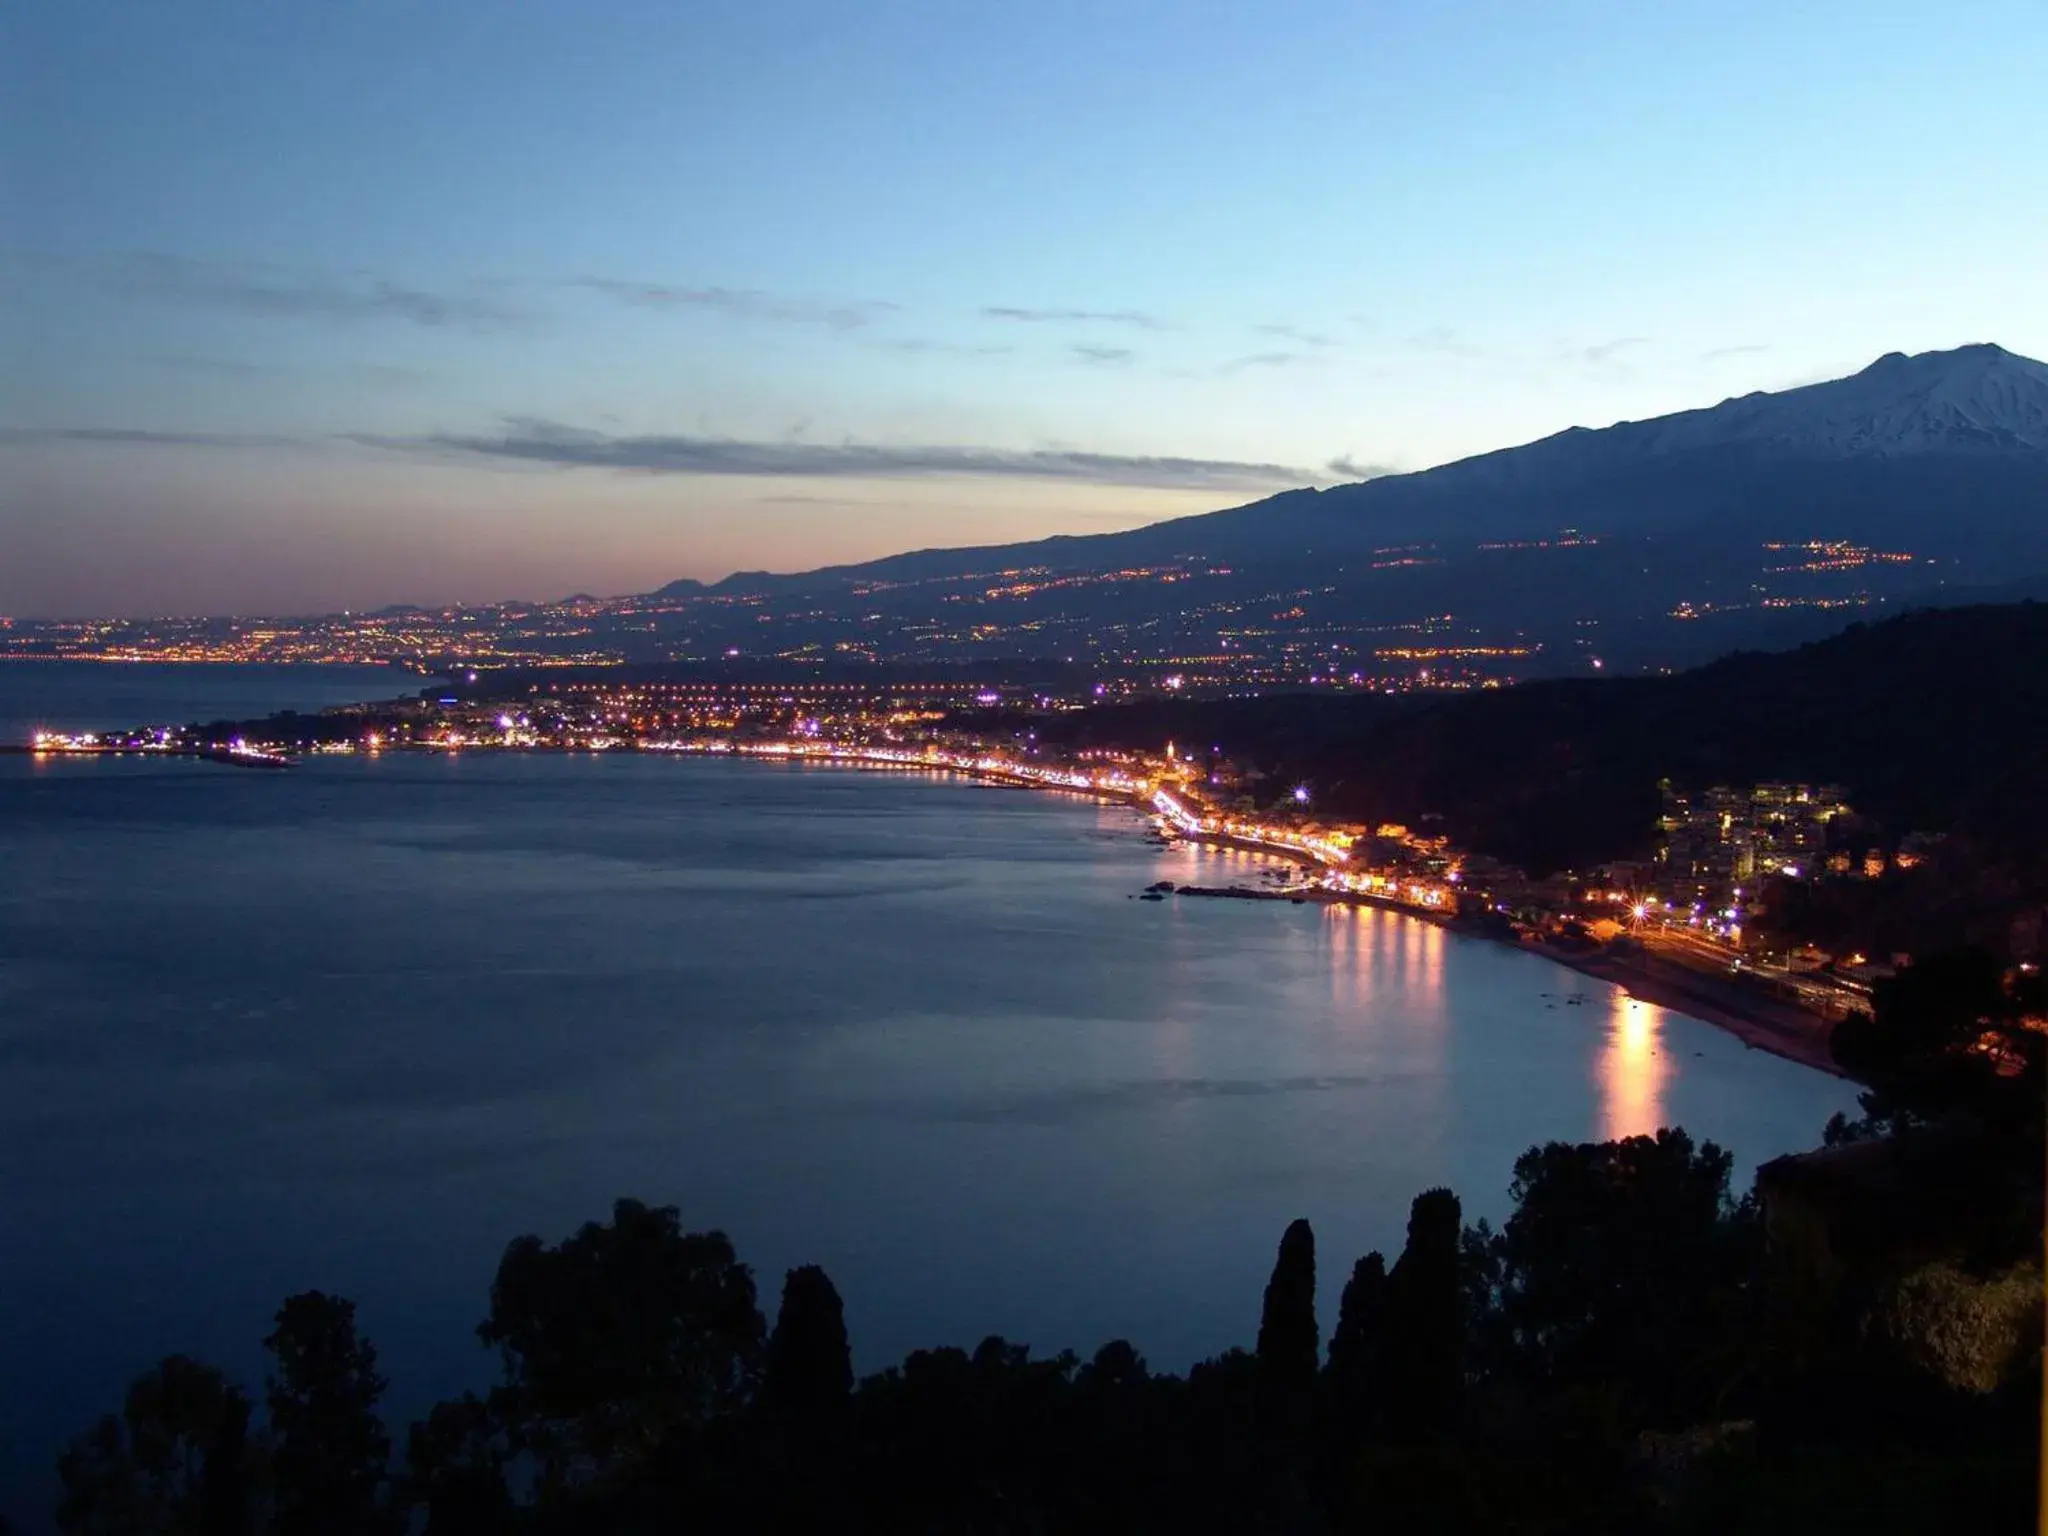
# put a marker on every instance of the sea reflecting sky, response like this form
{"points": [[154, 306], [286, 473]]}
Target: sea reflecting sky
{"points": [[356, 1025]]}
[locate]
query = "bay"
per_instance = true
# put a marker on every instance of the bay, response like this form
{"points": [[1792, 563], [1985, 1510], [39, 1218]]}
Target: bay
{"points": [[356, 1025]]}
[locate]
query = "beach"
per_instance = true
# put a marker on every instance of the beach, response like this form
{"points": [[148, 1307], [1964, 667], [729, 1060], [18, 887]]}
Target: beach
{"points": [[1762, 1023]]}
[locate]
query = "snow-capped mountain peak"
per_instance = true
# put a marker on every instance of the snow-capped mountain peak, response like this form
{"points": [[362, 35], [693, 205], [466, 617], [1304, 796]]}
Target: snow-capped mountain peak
{"points": [[1979, 397]]}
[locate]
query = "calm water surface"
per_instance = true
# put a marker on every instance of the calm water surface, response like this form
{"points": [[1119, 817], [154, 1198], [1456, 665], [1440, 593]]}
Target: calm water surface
{"points": [[108, 695], [355, 1025]]}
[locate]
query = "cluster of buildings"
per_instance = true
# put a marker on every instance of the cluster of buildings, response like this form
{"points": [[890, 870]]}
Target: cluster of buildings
{"points": [[1716, 839]]}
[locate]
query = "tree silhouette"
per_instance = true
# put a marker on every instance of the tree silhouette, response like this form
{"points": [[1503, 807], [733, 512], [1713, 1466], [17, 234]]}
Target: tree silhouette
{"points": [[618, 1339], [455, 1470], [1568, 1373], [809, 1375], [1357, 1344], [172, 1462], [1913, 1047], [331, 1453], [807, 1395], [1287, 1347], [1618, 1267], [1425, 1323], [227, 1488], [1117, 1367], [959, 1441], [1946, 1040]]}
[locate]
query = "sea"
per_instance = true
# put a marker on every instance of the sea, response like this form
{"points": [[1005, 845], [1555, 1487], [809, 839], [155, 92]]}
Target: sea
{"points": [[356, 1025]]}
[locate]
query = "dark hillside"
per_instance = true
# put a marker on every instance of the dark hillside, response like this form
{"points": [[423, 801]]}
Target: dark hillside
{"points": [[1937, 720]]}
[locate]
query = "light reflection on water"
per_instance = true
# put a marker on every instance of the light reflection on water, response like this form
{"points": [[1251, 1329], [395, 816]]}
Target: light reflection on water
{"points": [[1633, 1068], [356, 1025]]}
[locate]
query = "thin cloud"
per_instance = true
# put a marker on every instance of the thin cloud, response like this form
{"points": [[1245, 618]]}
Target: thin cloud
{"points": [[1262, 360], [214, 367], [278, 292], [1344, 467], [388, 375], [740, 303], [1104, 356], [550, 443], [1135, 318], [1606, 351], [1747, 349], [375, 375], [1296, 334], [859, 501], [1441, 338], [924, 346], [144, 437]]}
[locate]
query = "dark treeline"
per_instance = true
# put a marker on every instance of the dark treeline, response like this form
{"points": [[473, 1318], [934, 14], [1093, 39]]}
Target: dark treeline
{"points": [[1634, 1350]]}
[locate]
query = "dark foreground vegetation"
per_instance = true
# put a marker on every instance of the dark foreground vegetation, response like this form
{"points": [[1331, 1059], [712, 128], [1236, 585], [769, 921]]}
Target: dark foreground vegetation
{"points": [[1855, 1345]]}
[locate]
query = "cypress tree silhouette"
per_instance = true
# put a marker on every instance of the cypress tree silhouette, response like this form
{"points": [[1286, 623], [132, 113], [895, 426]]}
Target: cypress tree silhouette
{"points": [[1358, 1344], [1287, 1327], [1425, 1325], [809, 1376]]}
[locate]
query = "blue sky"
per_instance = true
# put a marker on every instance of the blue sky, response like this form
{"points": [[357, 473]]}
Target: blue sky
{"points": [[341, 303]]}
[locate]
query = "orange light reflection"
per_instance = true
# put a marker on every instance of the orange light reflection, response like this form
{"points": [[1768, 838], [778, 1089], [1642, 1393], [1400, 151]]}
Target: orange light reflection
{"points": [[1633, 1069]]}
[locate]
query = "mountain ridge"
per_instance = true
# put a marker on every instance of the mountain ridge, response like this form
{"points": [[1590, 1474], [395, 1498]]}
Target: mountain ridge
{"points": [[1906, 436]]}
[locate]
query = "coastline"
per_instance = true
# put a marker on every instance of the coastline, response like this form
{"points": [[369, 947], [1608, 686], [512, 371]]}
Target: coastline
{"points": [[1761, 1023]]}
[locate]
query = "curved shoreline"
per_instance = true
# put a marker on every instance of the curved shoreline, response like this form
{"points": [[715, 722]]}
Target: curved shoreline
{"points": [[1761, 1023]]}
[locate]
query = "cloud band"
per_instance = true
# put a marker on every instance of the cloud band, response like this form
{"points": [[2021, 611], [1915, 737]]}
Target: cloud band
{"points": [[539, 442]]}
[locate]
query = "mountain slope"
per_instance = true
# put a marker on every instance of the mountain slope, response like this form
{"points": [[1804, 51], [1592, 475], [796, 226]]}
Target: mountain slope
{"points": [[1949, 444], [1973, 399]]}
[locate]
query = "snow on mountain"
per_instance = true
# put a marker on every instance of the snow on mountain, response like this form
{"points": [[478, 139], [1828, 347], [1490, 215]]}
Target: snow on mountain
{"points": [[1975, 397], [1976, 400]]}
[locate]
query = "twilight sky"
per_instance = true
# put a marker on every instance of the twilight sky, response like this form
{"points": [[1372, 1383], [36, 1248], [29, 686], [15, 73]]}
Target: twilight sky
{"points": [[336, 303]]}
